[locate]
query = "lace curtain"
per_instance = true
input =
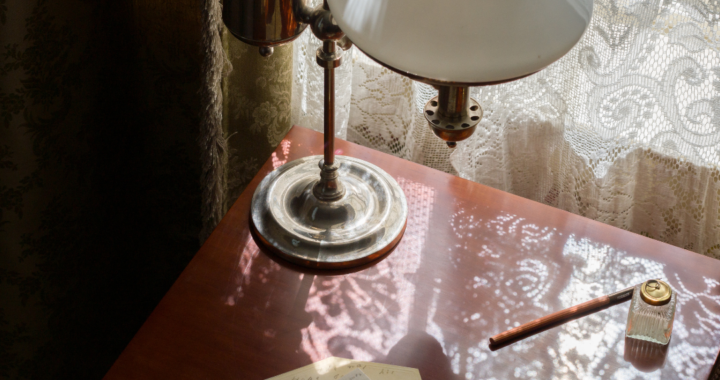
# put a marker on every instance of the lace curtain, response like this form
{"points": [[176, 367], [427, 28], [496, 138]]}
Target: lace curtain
{"points": [[625, 129]]}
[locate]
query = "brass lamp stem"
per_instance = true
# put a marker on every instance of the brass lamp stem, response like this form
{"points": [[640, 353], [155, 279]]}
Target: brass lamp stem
{"points": [[453, 102], [329, 188], [329, 50]]}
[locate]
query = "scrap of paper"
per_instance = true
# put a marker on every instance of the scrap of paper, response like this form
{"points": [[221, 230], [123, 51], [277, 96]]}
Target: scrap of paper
{"points": [[334, 368], [356, 374]]}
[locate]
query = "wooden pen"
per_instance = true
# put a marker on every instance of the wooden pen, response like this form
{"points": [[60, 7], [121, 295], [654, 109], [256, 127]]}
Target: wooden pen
{"points": [[562, 316]]}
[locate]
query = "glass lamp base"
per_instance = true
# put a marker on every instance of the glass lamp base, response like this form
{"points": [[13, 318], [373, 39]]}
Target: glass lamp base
{"points": [[363, 225]]}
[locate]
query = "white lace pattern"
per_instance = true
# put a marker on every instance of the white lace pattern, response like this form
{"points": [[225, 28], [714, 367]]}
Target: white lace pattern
{"points": [[625, 129]]}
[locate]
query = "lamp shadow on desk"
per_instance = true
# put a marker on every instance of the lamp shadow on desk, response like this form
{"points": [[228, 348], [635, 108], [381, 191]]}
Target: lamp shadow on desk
{"points": [[421, 350]]}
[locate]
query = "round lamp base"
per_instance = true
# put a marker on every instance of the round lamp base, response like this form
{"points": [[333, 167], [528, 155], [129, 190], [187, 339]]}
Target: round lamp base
{"points": [[363, 225]]}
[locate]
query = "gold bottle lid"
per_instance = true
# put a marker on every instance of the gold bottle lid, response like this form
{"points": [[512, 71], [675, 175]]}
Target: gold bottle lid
{"points": [[655, 292]]}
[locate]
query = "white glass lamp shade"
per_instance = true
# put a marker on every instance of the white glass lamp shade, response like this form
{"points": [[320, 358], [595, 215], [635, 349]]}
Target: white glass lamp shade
{"points": [[464, 42]]}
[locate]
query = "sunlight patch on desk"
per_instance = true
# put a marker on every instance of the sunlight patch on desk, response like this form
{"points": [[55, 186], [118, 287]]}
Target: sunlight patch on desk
{"points": [[349, 320]]}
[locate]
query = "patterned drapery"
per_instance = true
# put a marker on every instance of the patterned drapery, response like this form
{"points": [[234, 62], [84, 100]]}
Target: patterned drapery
{"points": [[99, 175]]}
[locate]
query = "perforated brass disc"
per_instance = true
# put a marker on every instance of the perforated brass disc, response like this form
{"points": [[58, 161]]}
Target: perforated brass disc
{"points": [[655, 292]]}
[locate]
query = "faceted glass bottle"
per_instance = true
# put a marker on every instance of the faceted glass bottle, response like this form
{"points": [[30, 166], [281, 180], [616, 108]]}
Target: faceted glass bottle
{"points": [[652, 312]]}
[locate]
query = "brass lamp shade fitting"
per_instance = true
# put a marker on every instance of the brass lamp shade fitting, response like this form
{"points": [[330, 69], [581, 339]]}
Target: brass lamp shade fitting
{"points": [[263, 23]]}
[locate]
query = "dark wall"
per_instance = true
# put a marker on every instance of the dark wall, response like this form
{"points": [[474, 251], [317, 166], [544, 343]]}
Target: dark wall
{"points": [[99, 171]]}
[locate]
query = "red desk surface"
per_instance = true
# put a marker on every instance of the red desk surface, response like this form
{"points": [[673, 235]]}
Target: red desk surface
{"points": [[474, 261]]}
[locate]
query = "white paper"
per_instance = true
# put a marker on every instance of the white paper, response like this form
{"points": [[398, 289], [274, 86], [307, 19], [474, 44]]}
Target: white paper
{"points": [[334, 368], [356, 374]]}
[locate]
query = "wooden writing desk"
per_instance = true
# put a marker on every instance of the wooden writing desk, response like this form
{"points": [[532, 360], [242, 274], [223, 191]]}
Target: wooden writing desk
{"points": [[474, 261]]}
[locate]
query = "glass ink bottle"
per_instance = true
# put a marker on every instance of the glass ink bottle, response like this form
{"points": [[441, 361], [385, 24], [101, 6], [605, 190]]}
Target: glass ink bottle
{"points": [[652, 312]]}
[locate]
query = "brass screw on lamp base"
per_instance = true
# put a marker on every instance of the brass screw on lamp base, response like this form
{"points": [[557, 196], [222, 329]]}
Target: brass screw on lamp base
{"points": [[348, 213]]}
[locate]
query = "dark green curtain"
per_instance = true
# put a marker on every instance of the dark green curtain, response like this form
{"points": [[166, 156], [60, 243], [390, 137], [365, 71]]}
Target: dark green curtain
{"points": [[99, 175], [103, 129]]}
